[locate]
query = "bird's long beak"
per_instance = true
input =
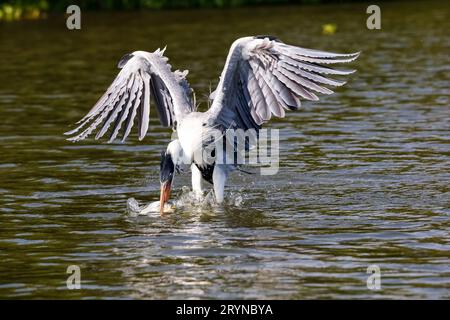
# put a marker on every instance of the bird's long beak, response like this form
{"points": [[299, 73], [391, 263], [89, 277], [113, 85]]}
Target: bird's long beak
{"points": [[165, 195], [166, 178]]}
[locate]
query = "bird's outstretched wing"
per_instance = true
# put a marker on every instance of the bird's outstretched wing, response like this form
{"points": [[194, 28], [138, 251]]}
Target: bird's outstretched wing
{"points": [[264, 76], [143, 75]]}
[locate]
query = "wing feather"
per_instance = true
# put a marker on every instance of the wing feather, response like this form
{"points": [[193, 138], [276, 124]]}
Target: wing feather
{"points": [[269, 93], [124, 113], [116, 110], [272, 77], [142, 75], [145, 107], [133, 109]]}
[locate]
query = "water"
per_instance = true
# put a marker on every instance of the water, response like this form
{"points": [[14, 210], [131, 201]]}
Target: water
{"points": [[364, 177]]}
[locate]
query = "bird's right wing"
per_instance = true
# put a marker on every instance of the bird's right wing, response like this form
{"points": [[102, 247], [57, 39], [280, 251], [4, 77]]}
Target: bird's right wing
{"points": [[143, 74], [264, 76]]}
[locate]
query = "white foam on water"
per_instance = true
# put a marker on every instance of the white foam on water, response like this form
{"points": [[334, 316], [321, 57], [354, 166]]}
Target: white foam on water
{"points": [[187, 200]]}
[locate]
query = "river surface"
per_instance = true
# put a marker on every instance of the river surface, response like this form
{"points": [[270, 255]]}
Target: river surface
{"points": [[364, 177]]}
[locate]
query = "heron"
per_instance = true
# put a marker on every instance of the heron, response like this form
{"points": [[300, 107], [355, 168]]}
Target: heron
{"points": [[262, 78]]}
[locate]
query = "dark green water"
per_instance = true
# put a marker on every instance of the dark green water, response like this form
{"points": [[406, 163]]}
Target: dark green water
{"points": [[364, 175]]}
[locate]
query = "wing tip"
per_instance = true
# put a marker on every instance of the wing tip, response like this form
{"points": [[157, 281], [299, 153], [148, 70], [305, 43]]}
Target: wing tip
{"points": [[69, 133]]}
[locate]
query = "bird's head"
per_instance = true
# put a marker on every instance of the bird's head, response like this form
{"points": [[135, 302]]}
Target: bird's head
{"points": [[170, 161]]}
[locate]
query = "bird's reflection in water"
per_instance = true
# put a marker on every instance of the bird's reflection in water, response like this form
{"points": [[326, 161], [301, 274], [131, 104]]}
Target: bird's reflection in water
{"points": [[189, 238]]}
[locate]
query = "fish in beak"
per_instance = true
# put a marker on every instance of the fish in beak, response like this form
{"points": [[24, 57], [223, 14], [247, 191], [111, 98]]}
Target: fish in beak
{"points": [[166, 178]]}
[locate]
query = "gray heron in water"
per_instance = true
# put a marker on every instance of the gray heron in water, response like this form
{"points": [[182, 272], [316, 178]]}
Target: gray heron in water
{"points": [[262, 77]]}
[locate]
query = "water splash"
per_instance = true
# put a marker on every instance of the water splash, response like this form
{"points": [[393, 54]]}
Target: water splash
{"points": [[135, 209], [187, 200]]}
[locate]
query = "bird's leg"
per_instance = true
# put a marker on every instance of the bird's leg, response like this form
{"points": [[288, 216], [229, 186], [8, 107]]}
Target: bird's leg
{"points": [[219, 179], [197, 187]]}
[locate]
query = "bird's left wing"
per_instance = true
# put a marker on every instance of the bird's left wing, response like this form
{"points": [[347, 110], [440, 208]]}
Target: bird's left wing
{"points": [[143, 75], [264, 76]]}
